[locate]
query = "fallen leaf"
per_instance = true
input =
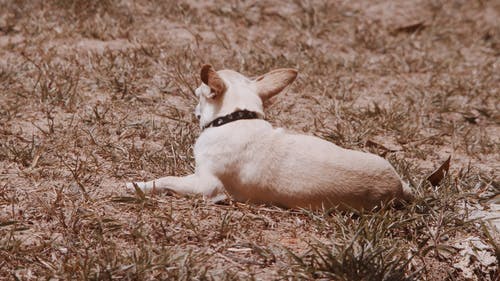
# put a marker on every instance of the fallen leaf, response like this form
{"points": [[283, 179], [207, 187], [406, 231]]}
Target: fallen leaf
{"points": [[410, 28], [437, 176], [471, 119], [381, 146]]}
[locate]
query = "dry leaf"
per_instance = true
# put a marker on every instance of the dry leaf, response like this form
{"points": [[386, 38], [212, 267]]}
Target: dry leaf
{"points": [[410, 28], [378, 145], [384, 147], [471, 119], [437, 176]]}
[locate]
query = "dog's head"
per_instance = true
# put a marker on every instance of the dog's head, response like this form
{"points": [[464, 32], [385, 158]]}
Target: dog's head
{"points": [[225, 91]]}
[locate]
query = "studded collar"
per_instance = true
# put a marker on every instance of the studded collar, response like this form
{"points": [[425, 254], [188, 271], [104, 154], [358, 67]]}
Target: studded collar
{"points": [[237, 115]]}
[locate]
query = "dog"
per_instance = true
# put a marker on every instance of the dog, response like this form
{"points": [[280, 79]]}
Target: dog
{"points": [[240, 154]]}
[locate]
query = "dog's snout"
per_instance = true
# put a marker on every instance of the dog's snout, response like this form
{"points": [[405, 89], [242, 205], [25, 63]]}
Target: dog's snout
{"points": [[198, 116]]}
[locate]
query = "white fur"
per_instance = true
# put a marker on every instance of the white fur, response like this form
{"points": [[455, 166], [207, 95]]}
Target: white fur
{"points": [[251, 161]]}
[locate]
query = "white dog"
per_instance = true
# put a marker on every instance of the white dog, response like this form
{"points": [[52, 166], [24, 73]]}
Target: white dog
{"points": [[240, 154]]}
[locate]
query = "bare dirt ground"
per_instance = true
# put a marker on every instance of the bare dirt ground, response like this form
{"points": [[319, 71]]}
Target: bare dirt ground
{"points": [[97, 93]]}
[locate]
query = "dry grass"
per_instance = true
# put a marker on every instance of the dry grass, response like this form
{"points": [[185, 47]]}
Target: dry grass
{"points": [[97, 93]]}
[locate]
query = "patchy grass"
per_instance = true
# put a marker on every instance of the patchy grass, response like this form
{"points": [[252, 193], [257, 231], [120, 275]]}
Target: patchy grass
{"points": [[97, 93]]}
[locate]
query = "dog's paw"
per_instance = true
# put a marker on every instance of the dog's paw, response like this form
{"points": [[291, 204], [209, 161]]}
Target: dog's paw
{"points": [[220, 199]]}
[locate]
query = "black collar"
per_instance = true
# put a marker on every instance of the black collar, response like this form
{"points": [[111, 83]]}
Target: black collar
{"points": [[237, 115]]}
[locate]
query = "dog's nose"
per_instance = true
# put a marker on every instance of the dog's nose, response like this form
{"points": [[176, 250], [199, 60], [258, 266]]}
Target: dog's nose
{"points": [[198, 116]]}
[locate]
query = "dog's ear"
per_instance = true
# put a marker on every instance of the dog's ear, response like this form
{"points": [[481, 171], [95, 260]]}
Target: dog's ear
{"points": [[210, 77], [274, 82]]}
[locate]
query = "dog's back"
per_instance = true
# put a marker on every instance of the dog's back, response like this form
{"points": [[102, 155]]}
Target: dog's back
{"points": [[257, 163]]}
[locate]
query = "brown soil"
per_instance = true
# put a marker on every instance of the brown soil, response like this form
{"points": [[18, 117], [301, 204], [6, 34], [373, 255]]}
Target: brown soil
{"points": [[97, 93]]}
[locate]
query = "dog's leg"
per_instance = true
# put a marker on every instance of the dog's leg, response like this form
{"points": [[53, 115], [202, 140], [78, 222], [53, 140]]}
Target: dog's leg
{"points": [[207, 185]]}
